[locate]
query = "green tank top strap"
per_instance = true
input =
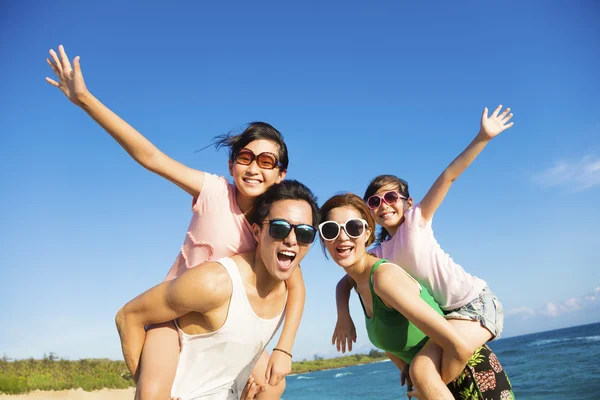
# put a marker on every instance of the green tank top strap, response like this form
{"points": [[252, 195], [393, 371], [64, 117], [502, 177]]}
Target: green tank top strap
{"points": [[374, 268], [374, 295]]}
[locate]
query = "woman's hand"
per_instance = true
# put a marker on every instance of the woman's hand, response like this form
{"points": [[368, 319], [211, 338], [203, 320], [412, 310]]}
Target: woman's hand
{"points": [[344, 333]]}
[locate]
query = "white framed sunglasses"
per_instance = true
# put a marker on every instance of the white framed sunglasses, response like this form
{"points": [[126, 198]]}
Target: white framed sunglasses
{"points": [[354, 228]]}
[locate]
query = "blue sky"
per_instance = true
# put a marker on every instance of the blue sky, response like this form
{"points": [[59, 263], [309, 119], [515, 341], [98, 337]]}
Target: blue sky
{"points": [[357, 89]]}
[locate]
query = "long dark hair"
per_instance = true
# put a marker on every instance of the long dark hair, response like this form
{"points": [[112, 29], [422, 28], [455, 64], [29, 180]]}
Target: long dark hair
{"points": [[377, 183], [254, 131]]}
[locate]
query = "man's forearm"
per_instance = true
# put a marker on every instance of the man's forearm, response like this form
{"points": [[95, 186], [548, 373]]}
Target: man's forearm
{"points": [[132, 342]]}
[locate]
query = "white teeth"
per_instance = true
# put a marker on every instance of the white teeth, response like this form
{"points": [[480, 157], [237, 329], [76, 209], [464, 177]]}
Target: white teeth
{"points": [[288, 253], [344, 248], [252, 181]]}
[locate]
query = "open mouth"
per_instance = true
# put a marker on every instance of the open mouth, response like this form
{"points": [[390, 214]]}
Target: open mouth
{"points": [[286, 258], [386, 214], [344, 251]]}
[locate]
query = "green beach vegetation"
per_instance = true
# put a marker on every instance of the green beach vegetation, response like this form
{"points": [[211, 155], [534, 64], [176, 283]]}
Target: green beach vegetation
{"points": [[319, 364], [55, 373]]}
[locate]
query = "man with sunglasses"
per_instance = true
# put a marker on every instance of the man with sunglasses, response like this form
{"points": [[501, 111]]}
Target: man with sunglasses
{"points": [[227, 311]]}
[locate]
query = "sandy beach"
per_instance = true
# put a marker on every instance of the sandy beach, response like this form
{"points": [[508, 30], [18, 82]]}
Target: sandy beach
{"points": [[76, 394]]}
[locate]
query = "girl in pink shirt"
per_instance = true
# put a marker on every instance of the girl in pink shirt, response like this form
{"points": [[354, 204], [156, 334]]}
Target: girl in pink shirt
{"points": [[258, 159], [406, 238]]}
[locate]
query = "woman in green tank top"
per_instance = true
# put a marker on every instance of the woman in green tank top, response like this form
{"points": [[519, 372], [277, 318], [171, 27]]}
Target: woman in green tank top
{"points": [[400, 314]]}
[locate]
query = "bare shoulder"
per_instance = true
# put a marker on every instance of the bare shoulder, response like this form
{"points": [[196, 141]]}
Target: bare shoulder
{"points": [[390, 276], [209, 283]]}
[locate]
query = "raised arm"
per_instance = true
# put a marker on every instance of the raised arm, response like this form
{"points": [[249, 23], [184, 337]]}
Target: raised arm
{"points": [[345, 331], [197, 289], [71, 83], [399, 291], [490, 128]]}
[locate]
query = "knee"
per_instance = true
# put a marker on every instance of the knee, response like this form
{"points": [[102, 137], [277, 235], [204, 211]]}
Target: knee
{"points": [[152, 390], [422, 370]]}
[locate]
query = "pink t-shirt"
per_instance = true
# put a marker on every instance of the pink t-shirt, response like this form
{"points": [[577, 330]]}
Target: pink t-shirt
{"points": [[415, 249], [218, 228]]}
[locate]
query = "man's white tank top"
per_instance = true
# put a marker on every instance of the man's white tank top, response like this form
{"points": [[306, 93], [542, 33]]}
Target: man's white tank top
{"points": [[217, 365]]}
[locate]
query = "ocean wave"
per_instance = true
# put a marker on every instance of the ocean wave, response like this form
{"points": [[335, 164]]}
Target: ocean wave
{"points": [[591, 338], [559, 340], [304, 377], [340, 374]]}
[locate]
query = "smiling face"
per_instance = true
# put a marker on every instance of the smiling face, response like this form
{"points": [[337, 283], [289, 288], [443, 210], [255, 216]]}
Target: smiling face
{"points": [[251, 180], [282, 256], [345, 250], [390, 216]]}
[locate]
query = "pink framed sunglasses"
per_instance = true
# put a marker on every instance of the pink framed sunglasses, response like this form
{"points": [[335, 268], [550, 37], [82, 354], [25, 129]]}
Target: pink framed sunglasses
{"points": [[388, 198]]}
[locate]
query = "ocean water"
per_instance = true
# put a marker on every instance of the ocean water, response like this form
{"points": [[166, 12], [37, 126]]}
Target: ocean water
{"points": [[553, 365]]}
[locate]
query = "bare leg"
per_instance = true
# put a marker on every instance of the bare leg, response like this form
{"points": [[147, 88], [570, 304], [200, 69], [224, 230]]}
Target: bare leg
{"points": [[425, 370], [158, 363], [474, 334], [425, 373], [259, 371]]}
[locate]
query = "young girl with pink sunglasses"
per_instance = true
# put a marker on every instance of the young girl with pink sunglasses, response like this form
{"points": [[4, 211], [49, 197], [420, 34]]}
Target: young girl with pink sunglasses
{"points": [[406, 238]]}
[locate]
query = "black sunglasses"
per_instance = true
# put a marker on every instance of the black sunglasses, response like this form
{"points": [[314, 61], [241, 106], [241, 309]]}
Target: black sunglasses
{"points": [[280, 229], [264, 160]]}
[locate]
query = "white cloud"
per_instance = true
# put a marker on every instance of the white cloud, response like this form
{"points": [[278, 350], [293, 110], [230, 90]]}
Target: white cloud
{"points": [[523, 312], [554, 310], [550, 310], [572, 304], [576, 175]]}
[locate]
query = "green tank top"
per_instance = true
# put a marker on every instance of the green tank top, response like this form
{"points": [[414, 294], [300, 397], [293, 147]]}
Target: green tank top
{"points": [[391, 331]]}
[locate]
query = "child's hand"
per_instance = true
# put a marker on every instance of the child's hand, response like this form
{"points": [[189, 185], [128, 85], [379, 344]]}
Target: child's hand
{"points": [[70, 79], [344, 333], [279, 366], [405, 380], [495, 124], [251, 389]]}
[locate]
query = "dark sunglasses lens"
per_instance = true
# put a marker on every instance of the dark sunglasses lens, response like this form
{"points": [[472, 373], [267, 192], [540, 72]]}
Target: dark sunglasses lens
{"points": [[355, 228], [391, 197], [244, 157], [305, 234], [266, 161], [373, 202], [279, 229], [330, 230]]}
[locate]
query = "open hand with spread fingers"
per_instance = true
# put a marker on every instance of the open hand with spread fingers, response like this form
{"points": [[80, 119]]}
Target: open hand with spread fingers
{"points": [[495, 124], [70, 79]]}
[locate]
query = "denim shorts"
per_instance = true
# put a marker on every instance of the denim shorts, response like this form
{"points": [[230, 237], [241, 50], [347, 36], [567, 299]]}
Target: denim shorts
{"points": [[485, 308]]}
